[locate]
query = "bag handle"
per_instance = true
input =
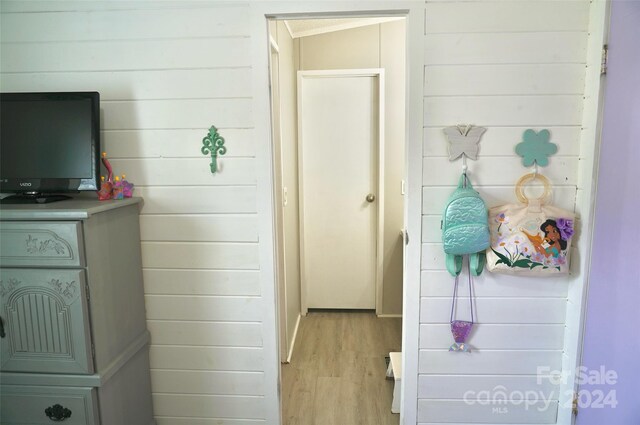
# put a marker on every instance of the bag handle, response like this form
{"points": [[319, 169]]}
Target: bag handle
{"points": [[455, 294], [528, 178]]}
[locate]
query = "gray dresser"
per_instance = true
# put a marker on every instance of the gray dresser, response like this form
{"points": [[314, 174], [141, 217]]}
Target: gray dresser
{"points": [[75, 347]]}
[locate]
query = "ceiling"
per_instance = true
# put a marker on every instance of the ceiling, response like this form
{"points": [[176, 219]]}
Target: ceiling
{"points": [[306, 27]]}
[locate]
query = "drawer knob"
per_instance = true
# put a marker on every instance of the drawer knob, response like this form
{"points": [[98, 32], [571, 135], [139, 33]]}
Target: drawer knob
{"points": [[57, 413]]}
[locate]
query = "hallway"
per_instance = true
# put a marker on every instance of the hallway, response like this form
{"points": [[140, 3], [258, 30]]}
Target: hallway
{"points": [[337, 372]]}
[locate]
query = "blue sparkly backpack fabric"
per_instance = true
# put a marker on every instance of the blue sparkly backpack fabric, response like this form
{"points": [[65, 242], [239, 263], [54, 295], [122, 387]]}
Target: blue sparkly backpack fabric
{"points": [[465, 228]]}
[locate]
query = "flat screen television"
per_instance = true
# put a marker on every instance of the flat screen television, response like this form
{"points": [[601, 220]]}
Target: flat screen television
{"points": [[49, 144]]}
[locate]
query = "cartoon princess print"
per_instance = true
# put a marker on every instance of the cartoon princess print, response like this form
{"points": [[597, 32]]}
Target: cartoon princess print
{"points": [[556, 234], [530, 244]]}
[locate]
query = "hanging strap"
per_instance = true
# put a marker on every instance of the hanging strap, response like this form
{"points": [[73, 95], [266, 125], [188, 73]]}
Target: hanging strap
{"points": [[464, 182], [476, 263], [454, 264], [455, 294]]}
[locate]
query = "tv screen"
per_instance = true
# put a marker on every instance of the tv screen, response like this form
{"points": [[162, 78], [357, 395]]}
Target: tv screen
{"points": [[49, 142]]}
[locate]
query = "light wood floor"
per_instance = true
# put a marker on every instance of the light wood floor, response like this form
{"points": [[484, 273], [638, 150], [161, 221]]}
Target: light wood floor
{"points": [[337, 371]]}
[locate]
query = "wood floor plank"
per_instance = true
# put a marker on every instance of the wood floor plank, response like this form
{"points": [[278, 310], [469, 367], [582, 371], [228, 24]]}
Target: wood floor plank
{"points": [[299, 395], [337, 371], [325, 408]]}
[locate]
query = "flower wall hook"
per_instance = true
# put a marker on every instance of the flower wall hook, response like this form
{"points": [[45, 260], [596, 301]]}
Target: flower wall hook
{"points": [[536, 148], [213, 144]]}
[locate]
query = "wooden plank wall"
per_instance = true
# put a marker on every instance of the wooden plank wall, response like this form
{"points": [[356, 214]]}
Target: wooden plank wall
{"points": [[508, 66], [166, 72]]}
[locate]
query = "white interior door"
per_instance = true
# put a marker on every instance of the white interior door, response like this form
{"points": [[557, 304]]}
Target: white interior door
{"points": [[339, 134]]}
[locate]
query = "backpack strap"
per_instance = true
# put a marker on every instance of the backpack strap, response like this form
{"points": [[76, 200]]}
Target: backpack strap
{"points": [[476, 263], [464, 182], [454, 264], [455, 295]]}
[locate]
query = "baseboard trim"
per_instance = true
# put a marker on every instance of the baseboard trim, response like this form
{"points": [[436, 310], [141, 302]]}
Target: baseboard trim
{"points": [[293, 340], [390, 316], [138, 344]]}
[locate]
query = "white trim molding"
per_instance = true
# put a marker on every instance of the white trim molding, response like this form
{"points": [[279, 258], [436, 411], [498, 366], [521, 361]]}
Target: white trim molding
{"points": [[414, 12], [293, 340], [585, 208]]}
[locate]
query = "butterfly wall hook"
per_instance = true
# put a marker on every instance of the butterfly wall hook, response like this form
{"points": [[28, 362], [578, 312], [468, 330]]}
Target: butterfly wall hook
{"points": [[463, 141]]}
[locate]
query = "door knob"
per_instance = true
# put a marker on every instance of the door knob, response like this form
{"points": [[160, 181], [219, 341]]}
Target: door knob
{"points": [[371, 197]]}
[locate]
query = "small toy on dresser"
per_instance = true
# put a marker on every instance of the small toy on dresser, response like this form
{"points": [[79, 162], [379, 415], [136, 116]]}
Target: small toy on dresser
{"points": [[117, 192], [127, 187], [113, 188], [106, 187]]}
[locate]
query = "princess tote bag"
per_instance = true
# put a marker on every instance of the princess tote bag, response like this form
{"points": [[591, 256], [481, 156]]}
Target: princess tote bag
{"points": [[530, 238]]}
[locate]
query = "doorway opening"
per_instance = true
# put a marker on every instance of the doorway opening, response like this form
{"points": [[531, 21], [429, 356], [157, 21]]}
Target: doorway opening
{"points": [[338, 129]]}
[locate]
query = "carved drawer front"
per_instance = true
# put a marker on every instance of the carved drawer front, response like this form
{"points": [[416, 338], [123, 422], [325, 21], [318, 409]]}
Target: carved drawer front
{"points": [[26, 404], [48, 244], [45, 321]]}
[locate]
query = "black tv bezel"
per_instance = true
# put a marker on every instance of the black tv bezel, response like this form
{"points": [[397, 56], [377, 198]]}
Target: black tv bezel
{"points": [[46, 185]]}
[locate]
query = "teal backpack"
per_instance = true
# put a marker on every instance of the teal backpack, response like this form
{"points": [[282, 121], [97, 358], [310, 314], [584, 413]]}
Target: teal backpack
{"points": [[465, 228]]}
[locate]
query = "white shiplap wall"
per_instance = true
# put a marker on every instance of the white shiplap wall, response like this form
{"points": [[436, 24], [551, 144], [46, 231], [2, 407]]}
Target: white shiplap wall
{"points": [[507, 66], [166, 71]]}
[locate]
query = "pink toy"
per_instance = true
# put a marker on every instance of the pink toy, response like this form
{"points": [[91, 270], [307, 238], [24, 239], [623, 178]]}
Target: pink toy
{"points": [[117, 192], [113, 188], [127, 188], [104, 194], [107, 165]]}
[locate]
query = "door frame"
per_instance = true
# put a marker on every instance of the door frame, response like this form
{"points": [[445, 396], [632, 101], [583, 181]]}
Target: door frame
{"points": [[590, 140], [414, 12], [379, 256], [281, 277]]}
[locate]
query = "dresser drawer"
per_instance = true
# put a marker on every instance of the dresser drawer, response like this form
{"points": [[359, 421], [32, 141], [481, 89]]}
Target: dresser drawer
{"points": [[48, 244], [25, 404]]}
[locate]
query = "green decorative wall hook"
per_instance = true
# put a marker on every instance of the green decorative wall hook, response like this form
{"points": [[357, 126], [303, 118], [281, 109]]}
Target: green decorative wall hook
{"points": [[213, 144]]}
